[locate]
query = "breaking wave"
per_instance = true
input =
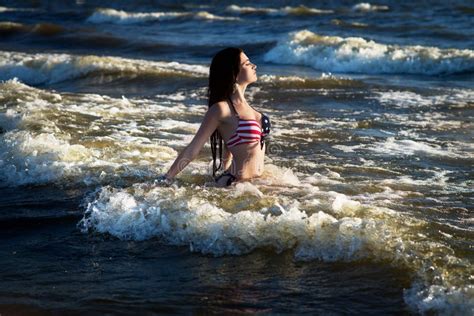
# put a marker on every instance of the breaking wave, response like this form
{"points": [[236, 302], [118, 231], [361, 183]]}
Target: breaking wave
{"points": [[330, 227], [52, 68], [357, 55], [367, 7], [121, 17], [299, 10]]}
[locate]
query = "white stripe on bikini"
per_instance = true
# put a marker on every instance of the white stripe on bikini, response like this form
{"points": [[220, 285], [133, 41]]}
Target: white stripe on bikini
{"points": [[248, 128]]}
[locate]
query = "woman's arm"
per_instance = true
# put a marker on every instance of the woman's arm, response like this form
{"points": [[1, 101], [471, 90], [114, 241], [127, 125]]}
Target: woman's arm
{"points": [[210, 123]]}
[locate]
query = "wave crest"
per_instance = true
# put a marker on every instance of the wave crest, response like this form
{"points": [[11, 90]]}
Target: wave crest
{"points": [[52, 68], [357, 55], [323, 82], [344, 231], [299, 10], [121, 17], [367, 7]]}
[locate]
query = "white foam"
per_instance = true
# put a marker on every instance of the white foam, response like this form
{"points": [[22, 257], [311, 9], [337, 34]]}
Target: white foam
{"points": [[186, 216], [29, 158], [276, 176], [299, 10], [415, 123], [11, 25], [317, 82], [358, 55], [40, 149], [179, 96], [393, 146], [6, 9], [439, 179], [26, 158], [345, 148], [204, 15], [138, 215], [46, 153], [123, 17], [454, 98], [169, 124], [243, 188], [438, 183], [273, 78], [367, 7], [442, 300], [51, 68], [320, 179], [341, 203]]}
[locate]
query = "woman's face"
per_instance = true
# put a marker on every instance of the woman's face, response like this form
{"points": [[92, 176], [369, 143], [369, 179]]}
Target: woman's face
{"points": [[248, 71]]}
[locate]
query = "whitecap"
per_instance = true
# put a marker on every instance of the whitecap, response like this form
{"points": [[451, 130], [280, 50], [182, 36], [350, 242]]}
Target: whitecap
{"points": [[358, 55], [393, 146], [51, 68], [452, 98], [184, 216], [288, 10], [122, 17], [37, 148], [367, 7]]}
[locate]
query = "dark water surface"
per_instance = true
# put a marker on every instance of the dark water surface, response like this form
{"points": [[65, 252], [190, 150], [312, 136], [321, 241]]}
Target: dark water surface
{"points": [[74, 273]]}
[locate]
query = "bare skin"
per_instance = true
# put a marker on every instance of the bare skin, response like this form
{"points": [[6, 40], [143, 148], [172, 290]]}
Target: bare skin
{"points": [[243, 161]]}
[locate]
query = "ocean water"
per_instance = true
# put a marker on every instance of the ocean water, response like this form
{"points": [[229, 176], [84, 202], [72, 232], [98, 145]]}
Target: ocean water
{"points": [[366, 203]]}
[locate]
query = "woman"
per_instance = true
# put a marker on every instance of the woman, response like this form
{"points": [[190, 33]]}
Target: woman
{"points": [[235, 128]]}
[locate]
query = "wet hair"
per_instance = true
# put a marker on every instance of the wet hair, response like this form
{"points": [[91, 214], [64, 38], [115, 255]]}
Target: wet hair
{"points": [[223, 72]]}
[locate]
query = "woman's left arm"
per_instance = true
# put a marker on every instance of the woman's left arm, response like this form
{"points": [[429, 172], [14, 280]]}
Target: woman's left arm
{"points": [[210, 123]]}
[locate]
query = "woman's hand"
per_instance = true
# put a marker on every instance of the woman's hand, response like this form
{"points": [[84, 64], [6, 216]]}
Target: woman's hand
{"points": [[163, 180]]}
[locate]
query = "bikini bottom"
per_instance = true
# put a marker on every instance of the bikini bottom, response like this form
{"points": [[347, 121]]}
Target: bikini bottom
{"points": [[228, 177]]}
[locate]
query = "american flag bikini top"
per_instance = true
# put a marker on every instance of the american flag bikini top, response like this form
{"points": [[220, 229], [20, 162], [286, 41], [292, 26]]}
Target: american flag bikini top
{"points": [[250, 131]]}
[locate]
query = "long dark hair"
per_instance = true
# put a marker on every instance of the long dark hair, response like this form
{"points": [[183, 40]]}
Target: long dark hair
{"points": [[224, 69]]}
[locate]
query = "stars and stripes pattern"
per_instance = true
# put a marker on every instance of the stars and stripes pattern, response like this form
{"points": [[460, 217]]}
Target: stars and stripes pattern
{"points": [[248, 131]]}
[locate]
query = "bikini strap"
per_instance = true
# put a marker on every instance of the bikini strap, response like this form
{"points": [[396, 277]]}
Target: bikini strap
{"points": [[237, 113], [233, 107]]}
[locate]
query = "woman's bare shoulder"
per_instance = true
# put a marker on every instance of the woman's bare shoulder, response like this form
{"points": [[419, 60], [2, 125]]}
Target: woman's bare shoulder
{"points": [[220, 108]]}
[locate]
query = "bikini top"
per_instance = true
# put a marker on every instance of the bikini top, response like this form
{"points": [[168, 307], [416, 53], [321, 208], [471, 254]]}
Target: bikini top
{"points": [[249, 131]]}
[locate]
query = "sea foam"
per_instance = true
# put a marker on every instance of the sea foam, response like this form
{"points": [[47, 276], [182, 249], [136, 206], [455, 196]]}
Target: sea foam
{"points": [[346, 231], [358, 55], [401, 147], [367, 7], [85, 139], [454, 98], [51, 68], [299, 10], [122, 17]]}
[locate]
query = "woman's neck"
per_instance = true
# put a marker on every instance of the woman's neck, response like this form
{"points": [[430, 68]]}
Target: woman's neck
{"points": [[238, 97]]}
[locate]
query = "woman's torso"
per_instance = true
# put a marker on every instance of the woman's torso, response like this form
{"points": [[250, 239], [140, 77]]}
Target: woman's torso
{"points": [[248, 158]]}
